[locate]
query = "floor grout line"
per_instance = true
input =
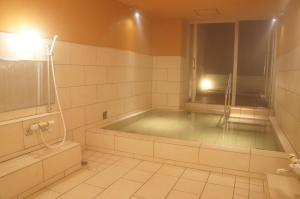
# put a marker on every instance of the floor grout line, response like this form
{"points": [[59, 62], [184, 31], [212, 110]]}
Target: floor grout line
{"points": [[233, 187], [179, 177], [62, 193], [203, 190], [121, 176], [161, 165], [153, 173], [95, 173]]}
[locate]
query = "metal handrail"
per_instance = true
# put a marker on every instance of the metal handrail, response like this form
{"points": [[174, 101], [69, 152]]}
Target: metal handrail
{"points": [[227, 108]]}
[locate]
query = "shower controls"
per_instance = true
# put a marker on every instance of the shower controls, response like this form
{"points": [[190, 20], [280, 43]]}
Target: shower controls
{"points": [[42, 126], [294, 165]]}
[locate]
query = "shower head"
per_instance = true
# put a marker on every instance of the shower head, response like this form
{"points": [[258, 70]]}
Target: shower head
{"points": [[52, 44]]}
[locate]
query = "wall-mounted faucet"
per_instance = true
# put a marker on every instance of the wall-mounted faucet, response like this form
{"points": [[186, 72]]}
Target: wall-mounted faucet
{"points": [[294, 166], [42, 126]]}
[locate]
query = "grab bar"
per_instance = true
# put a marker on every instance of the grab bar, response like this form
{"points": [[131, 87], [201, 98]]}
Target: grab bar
{"points": [[227, 108]]}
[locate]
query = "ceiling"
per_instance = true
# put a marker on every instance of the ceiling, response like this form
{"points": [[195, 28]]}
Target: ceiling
{"points": [[209, 9]]}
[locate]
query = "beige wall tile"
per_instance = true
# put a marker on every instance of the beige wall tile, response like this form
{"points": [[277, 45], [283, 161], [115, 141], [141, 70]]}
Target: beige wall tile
{"points": [[107, 92], [11, 138], [134, 103], [74, 117], [176, 152], [78, 54], [160, 99], [82, 54], [224, 159], [91, 55], [100, 140], [65, 97], [62, 161], [62, 52], [68, 75], [116, 74], [174, 75], [125, 90], [167, 61], [166, 87], [12, 184], [160, 74], [93, 113], [137, 146], [83, 95], [95, 75], [78, 135], [115, 108], [287, 96], [173, 100]]}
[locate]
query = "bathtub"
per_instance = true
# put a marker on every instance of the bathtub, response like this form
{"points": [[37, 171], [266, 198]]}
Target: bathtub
{"points": [[193, 140]]}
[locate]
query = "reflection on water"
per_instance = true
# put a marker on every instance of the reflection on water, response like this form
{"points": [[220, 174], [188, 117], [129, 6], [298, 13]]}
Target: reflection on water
{"points": [[198, 127]]}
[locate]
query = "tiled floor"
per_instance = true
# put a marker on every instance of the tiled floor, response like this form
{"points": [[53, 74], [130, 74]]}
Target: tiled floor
{"points": [[112, 177]]}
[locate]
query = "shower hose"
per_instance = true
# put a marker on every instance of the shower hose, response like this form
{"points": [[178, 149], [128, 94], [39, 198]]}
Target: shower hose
{"points": [[51, 64]]}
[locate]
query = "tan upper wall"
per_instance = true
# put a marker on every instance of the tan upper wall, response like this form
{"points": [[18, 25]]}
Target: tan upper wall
{"points": [[289, 28], [106, 23], [168, 37]]}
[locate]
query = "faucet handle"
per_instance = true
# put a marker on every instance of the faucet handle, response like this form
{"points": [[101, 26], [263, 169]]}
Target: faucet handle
{"points": [[293, 159]]}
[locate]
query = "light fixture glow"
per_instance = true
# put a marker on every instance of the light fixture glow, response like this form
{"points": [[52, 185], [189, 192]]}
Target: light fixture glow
{"points": [[137, 14], [274, 20], [25, 45], [206, 84], [30, 39]]}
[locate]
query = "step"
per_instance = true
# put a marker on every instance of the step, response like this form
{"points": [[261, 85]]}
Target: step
{"points": [[37, 168], [247, 116], [246, 121]]}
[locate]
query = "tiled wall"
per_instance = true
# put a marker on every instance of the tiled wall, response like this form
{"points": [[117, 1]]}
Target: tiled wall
{"points": [[287, 100], [168, 82], [14, 139], [92, 80]]}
